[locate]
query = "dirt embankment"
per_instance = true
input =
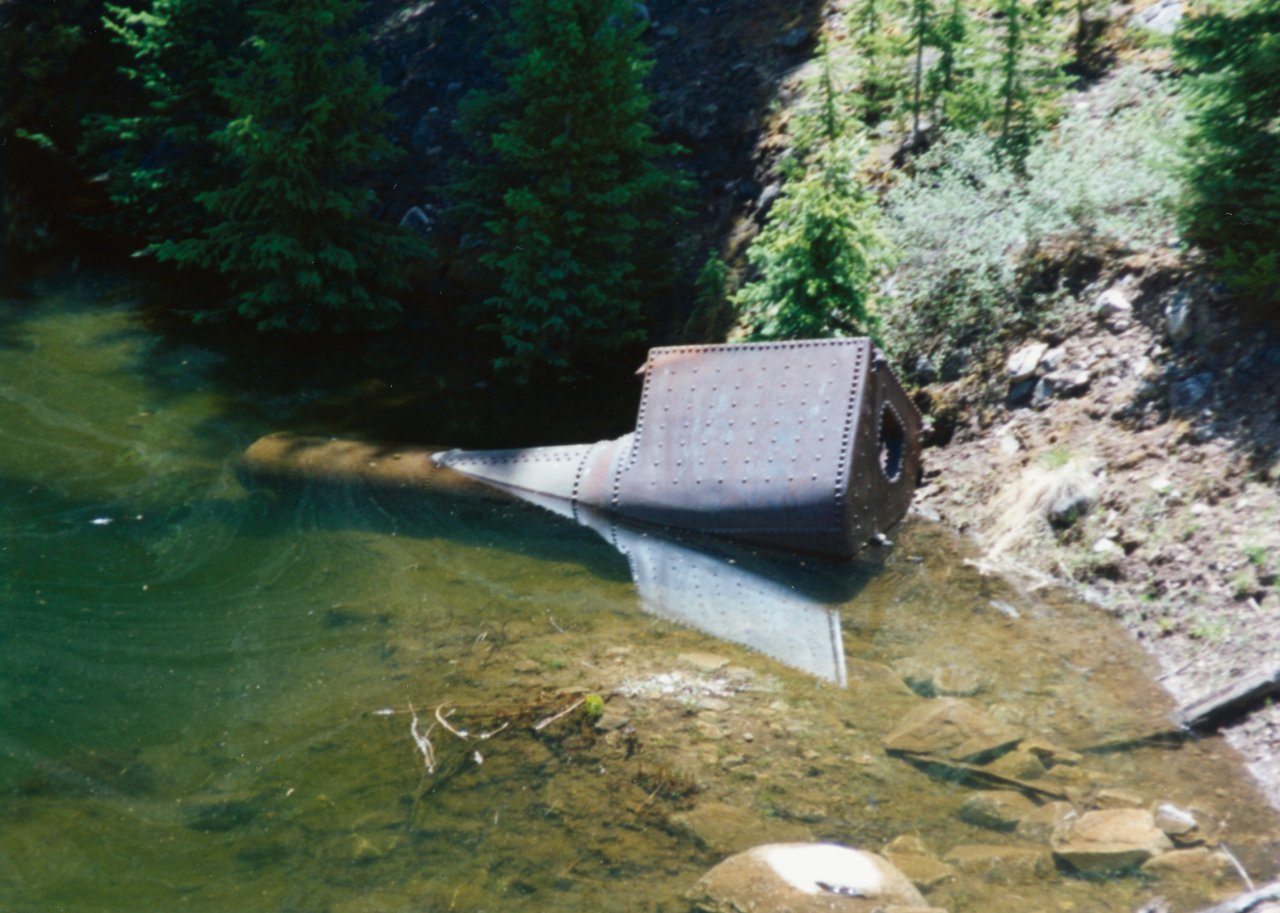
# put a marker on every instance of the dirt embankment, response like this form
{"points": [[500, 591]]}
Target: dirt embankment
{"points": [[1133, 455]]}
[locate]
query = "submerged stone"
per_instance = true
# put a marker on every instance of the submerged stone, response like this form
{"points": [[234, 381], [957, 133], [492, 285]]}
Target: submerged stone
{"points": [[914, 859], [1041, 824], [1198, 862], [996, 809], [805, 878], [953, 729], [1001, 864], [724, 828], [1109, 840]]}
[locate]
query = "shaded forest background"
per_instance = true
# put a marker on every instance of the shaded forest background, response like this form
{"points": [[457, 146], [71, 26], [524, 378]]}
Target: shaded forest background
{"points": [[554, 185]]}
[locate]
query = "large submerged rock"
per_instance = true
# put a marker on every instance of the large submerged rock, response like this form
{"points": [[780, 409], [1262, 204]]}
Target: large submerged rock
{"points": [[806, 878], [952, 729], [1109, 840]]}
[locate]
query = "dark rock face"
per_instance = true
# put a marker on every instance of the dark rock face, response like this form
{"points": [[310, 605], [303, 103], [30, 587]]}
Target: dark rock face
{"points": [[716, 67]]}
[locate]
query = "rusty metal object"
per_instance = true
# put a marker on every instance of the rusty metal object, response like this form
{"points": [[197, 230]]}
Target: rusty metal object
{"points": [[808, 445]]}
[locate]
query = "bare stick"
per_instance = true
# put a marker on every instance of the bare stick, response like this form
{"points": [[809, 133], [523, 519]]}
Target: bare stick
{"points": [[543, 724], [1248, 882], [492, 732], [460, 733], [423, 742]]}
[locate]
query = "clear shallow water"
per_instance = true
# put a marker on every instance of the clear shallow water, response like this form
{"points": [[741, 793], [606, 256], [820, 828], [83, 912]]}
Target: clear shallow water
{"points": [[194, 676]]}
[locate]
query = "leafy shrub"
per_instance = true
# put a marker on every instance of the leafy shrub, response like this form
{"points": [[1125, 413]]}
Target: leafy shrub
{"points": [[967, 225]]}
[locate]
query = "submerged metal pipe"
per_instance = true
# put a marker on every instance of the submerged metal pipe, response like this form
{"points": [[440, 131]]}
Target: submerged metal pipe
{"points": [[808, 445], [284, 457]]}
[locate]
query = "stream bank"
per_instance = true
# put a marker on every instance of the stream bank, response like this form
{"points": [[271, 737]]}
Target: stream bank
{"points": [[1131, 455]]}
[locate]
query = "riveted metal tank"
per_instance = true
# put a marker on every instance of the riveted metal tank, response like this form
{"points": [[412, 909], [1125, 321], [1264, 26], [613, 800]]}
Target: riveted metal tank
{"points": [[809, 445]]}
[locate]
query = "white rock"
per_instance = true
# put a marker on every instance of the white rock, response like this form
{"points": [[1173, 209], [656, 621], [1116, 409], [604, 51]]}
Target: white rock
{"points": [[1022, 364], [1112, 303], [805, 878], [1008, 444], [1178, 317], [1160, 485], [1174, 821], [1052, 359], [1107, 548]]}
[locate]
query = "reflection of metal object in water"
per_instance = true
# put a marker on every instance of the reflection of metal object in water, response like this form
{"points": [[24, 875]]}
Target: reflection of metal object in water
{"points": [[782, 610], [705, 592], [808, 445]]}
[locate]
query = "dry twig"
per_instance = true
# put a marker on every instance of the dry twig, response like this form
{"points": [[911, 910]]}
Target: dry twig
{"points": [[543, 724]]}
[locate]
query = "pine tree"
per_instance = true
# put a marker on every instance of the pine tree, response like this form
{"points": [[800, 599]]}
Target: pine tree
{"points": [[575, 201], [954, 93], [923, 35], [1233, 156], [293, 236], [878, 52], [161, 157], [818, 255], [1029, 76]]}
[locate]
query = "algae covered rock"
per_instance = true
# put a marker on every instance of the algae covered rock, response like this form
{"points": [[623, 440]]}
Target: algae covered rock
{"points": [[805, 878]]}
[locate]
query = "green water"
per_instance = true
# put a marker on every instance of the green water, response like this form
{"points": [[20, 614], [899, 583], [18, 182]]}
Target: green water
{"points": [[205, 688]]}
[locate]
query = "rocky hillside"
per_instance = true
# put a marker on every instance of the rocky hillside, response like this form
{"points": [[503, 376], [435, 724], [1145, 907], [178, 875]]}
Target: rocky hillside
{"points": [[717, 68], [1132, 454]]}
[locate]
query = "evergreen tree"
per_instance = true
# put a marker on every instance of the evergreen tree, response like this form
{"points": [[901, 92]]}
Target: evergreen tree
{"points": [[293, 236], [878, 52], [574, 201], [818, 255], [922, 35], [954, 92], [1028, 73], [1233, 161], [161, 158]]}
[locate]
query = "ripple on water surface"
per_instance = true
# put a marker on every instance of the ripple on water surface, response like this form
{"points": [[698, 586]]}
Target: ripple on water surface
{"points": [[209, 692]]}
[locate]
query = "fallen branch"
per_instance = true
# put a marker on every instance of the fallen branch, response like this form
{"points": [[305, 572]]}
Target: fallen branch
{"points": [[1221, 706], [423, 742], [465, 734], [543, 724], [460, 733]]}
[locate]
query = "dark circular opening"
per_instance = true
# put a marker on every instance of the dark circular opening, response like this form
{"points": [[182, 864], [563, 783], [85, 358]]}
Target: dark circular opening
{"points": [[892, 438]]}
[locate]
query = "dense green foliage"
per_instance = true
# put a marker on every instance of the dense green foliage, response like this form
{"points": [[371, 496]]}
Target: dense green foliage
{"points": [[974, 233], [569, 185], [1233, 206], [876, 53], [159, 157], [819, 254], [1029, 75], [49, 53], [292, 236]]}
